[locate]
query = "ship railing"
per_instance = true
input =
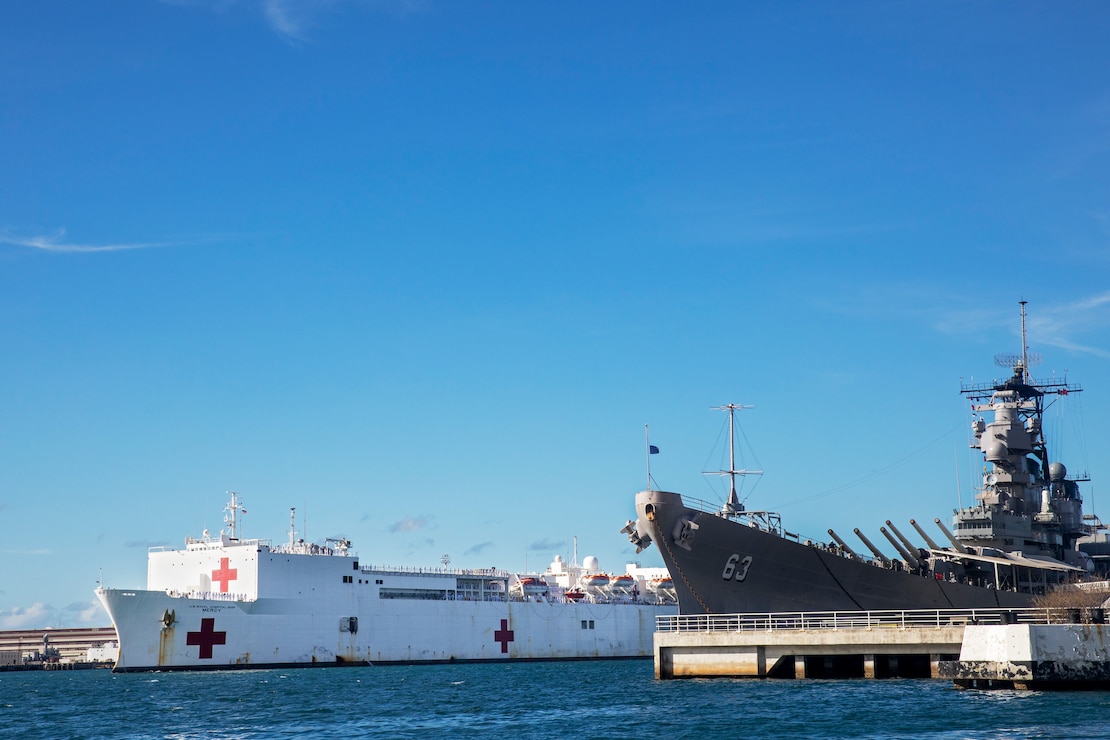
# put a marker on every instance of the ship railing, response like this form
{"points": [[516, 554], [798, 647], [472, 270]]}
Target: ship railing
{"points": [[419, 570], [766, 521], [837, 620], [207, 595], [310, 548], [1044, 384], [211, 542]]}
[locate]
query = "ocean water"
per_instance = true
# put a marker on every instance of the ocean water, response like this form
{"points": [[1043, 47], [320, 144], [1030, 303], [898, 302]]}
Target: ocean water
{"points": [[602, 699]]}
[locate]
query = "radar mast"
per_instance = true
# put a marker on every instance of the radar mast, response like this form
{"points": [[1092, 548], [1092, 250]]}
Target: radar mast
{"points": [[732, 506]]}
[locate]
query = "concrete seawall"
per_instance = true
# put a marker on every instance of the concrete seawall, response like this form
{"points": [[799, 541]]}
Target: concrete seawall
{"points": [[1033, 656], [876, 652], [909, 644]]}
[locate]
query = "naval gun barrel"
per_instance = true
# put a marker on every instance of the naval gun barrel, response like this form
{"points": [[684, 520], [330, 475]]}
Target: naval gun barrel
{"points": [[955, 544], [909, 545], [877, 552], [906, 555], [844, 545], [928, 540]]}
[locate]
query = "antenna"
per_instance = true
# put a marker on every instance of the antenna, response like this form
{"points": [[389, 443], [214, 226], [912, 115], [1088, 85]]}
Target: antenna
{"points": [[1020, 362], [1024, 346], [229, 518], [733, 505], [649, 450]]}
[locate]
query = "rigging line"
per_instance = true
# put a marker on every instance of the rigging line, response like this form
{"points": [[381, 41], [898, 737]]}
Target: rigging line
{"points": [[1078, 429], [873, 473], [724, 454], [758, 464], [751, 449], [1091, 500], [713, 449]]}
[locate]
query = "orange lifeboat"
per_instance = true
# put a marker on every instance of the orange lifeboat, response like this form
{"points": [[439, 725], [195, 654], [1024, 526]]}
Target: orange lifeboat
{"points": [[623, 583], [533, 587], [663, 589], [595, 580]]}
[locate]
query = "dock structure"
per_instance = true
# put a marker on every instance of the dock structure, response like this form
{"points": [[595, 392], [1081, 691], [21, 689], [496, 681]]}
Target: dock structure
{"points": [[51, 645], [1034, 657], [857, 644]]}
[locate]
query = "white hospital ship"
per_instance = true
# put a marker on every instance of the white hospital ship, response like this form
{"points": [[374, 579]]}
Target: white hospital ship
{"points": [[224, 603]]}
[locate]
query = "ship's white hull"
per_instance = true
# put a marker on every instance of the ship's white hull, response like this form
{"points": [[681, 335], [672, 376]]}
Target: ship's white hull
{"points": [[158, 631], [223, 602]]}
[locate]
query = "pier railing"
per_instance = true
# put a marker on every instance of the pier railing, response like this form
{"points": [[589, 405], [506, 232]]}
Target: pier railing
{"points": [[896, 618]]}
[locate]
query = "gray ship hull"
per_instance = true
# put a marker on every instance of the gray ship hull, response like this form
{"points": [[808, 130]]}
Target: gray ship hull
{"points": [[721, 566]]}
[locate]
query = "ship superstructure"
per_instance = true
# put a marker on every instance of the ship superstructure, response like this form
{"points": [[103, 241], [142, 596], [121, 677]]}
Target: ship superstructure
{"points": [[1027, 502]]}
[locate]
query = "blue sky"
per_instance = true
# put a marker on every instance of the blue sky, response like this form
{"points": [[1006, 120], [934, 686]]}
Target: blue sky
{"points": [[426, 269]]}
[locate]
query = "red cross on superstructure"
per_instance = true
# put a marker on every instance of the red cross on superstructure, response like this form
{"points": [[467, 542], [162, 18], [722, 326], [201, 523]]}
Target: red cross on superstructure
{"points": [[207, 637], [224, 575], [503, 636]]}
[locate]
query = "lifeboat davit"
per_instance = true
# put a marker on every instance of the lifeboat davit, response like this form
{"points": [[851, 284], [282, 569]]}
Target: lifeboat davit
{"points": [[622, 584], [663, 589], [533, 587], [595, 580]]}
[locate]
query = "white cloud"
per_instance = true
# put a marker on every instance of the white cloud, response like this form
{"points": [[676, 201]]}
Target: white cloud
{"points": [[36, 616], [55, 243], [287, 19], [41, 616], [478, 549], [292, 19], [410, 524], [1061, 325], [88, 612]]}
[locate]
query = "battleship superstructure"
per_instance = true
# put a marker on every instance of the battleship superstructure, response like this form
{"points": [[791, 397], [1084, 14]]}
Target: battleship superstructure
{"points": [[224, 602], [1025, 534]]}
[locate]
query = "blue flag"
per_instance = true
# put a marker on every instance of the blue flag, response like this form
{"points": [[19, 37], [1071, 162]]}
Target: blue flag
{"points": [[653, 450]]}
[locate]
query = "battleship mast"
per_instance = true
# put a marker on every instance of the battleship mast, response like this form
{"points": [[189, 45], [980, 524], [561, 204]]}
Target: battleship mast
{"points": [[732, 506], [1024, 347]]}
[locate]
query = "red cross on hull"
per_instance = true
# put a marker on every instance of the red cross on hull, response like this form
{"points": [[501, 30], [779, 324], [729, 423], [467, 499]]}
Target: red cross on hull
{"points": [[224, 575], [207, 637], [504, 636]]}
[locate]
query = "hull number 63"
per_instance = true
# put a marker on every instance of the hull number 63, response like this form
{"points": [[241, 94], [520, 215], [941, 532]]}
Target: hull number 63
{"points": [[735, 566]]}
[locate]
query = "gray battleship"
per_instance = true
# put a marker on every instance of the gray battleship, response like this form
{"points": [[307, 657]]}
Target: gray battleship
{"points": [[1025, 534]]}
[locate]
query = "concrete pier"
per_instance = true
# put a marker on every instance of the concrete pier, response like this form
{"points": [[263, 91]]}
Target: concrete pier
{"points": [[907, 644], [1033, 657]]}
